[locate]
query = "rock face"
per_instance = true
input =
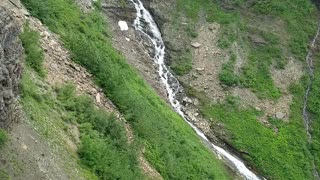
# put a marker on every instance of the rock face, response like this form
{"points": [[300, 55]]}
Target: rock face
{"points": [[11, 55]]}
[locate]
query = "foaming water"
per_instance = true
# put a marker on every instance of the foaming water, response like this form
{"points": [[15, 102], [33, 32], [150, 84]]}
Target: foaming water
{"points": [[145, 24]]}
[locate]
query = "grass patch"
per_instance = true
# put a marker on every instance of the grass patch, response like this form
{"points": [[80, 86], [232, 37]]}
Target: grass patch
{"points": [[313, 108], [4, 175], [183, 64], [33, 51], [278, 156], [300, 18], [3, 137], [171, 145], [46, 116], [101, 135], [227, 76]]}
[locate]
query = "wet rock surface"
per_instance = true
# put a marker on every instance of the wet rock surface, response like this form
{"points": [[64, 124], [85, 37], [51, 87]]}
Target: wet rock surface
{"points": [[11, 54]]}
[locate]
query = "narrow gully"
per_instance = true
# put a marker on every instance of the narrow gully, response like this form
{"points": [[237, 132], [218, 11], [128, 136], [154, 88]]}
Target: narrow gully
{"points": [[306, 118], [146, 25]]}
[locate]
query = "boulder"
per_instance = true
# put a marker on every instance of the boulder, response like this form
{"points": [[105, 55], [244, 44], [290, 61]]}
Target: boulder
{"points": [[200, 69], [187, 100], [196, 45], [123, 25], [280, 115], [98, 98]]}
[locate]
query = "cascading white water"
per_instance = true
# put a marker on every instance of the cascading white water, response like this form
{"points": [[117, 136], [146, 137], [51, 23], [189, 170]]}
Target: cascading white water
{"points": [[309, 60], [145, 24]]}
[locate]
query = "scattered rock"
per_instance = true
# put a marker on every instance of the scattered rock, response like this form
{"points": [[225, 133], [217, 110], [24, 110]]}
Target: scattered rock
{"points": [[258, 109], [187, 100], [196, 45], [123, 25], [196, 102], [200, 69], [280, 115], [25, 147], [75, 67], [98, 98]]}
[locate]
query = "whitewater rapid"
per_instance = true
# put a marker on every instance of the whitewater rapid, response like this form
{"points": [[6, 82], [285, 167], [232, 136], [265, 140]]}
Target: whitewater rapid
{"points": [[144, 23]]}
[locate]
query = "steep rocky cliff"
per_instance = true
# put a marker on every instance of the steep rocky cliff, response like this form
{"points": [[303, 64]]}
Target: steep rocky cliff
{"points": [[10, 67]]}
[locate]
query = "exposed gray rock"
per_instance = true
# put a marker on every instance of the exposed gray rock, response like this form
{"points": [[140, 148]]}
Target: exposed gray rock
{"points": [[196, 45], [200, 69], [11, 52], [280, 115], [187, 100]]}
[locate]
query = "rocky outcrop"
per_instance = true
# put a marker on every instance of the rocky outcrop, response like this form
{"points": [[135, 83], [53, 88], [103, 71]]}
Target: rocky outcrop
{"points": [[11, 52]]}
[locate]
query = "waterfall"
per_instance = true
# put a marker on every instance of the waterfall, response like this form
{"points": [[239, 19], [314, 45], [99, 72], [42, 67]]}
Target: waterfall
{"points": [[146, 25], [306, 119]]}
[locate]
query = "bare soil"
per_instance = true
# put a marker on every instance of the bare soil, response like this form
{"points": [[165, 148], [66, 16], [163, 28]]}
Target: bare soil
{"points": [[207, 64]]}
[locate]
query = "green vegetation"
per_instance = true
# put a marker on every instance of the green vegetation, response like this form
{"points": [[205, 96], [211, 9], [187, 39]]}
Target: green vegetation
{"points": [[313, 107], [34, 54], [282, 155], [300, 19], [3, 137], [101, 135], [300, 27], [256, 73], [3, 140], [211, 10], [171, 145], [48, 117], [285, 154], [183, 64], [4, 175], [227, 75], [299, 22]]}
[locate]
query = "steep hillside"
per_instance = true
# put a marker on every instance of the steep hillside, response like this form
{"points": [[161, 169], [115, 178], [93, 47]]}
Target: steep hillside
{"points": [[79, 139], [96, 101], [244, 65]]}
